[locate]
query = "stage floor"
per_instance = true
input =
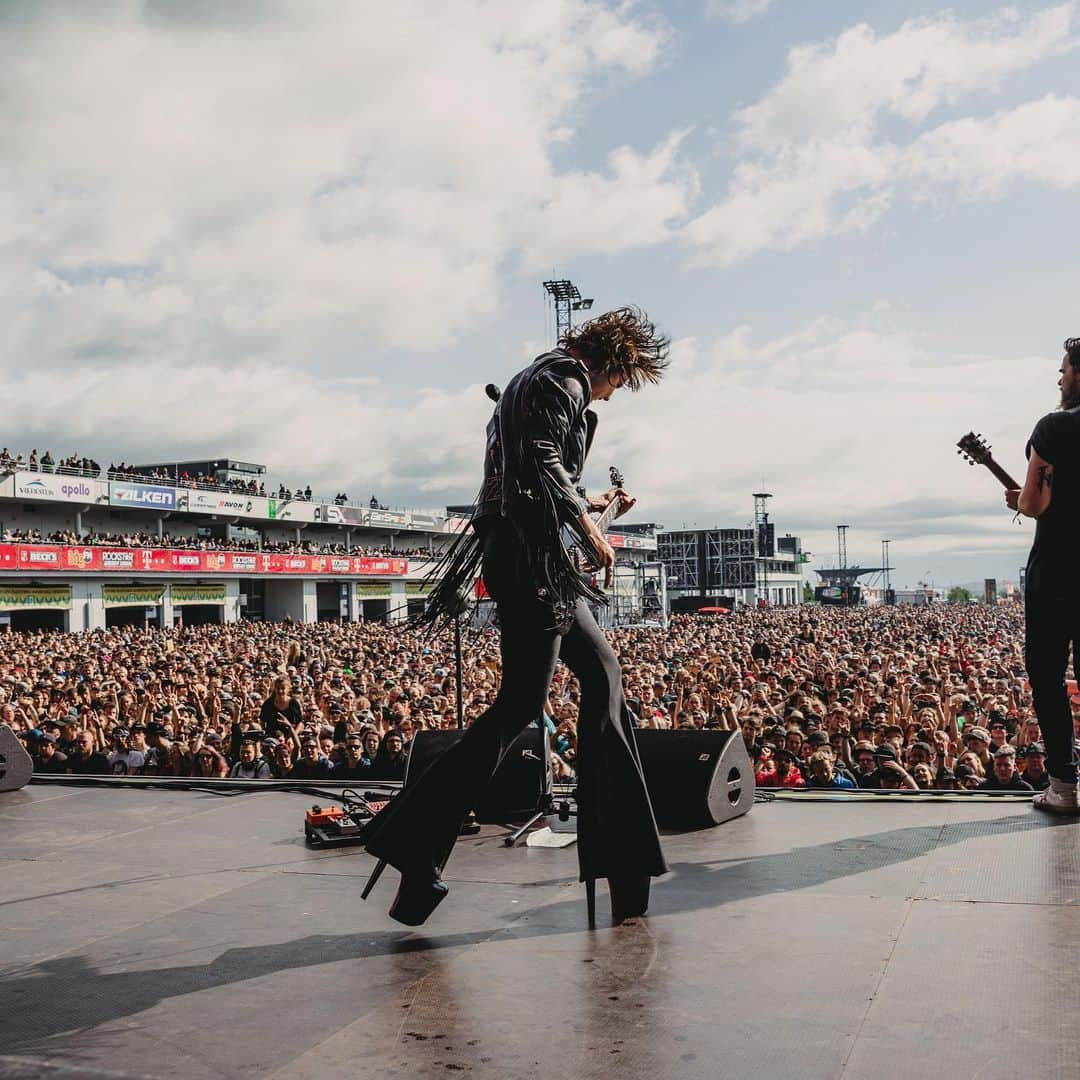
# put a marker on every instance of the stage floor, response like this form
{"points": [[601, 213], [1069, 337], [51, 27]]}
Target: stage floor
{"points": [[172, 934]]}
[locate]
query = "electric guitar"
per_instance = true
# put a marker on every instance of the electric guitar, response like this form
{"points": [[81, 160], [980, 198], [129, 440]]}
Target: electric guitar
{"points": [[976, 451], [607, 515]]}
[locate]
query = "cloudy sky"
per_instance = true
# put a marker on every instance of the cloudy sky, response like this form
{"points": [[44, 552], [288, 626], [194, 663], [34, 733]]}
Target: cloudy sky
{"points": [[306, 234]]}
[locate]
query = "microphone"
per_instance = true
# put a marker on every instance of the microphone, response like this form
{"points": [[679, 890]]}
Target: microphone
{"points": [[493, 391]]}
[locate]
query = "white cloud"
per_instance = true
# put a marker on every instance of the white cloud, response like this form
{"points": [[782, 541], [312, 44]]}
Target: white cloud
{"points": [[982, 158], [813, 157], [284, 181], [738, 11]]}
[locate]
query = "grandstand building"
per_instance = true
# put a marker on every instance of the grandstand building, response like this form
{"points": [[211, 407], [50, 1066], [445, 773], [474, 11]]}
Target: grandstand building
{"points": [[82, 552]]}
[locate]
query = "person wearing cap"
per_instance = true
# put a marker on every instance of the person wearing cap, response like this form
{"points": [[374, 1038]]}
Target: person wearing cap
{"points": [[865, 764], [1032, 762], [123, 760], [1005, 777], [977, 742], [69, 731], [47, 758], [786, 772], [312, 764]]}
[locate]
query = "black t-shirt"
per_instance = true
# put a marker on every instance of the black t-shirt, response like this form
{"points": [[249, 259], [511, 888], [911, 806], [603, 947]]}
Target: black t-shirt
{"points": [[94, 765], [1017, 783], [1056, 439], [269, 720], [320, 769]]}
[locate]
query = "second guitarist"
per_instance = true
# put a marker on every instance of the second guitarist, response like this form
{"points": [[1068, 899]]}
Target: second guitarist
{"points": [[1051, 495]]}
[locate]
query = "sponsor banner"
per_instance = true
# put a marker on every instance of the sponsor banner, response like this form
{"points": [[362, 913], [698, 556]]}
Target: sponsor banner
{"points": [[296, 510], [367, 590], [387, 518], [39, 558], [226, 503], [149, 496], [80, 489], [631, 543], [18, 598], [425, 521], [197, 594], [132, 595], [418, 588], [373, 564], [7, 487], [42, 557], [340, 515]]}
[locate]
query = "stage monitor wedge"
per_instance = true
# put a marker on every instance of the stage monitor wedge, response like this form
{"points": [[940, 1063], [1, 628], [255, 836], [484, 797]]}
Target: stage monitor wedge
{"points": [[16, 765]]}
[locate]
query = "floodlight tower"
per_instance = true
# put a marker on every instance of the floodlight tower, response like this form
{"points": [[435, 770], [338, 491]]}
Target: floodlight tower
{"points": [[841, 546], [761, 549], [566, 298]]}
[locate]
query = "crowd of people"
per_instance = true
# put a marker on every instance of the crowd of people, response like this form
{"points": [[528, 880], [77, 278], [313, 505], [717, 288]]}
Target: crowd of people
{"points": [[898, 698], [203, 543]]}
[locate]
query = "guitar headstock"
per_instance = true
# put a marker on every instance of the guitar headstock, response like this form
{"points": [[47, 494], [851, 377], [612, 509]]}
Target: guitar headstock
{"points": [[974, 449], [616, 477]]}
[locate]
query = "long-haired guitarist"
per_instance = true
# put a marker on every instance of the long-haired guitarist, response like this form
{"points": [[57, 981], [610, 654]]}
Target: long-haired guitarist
{"points": [[537, 441], [1051, 495]]}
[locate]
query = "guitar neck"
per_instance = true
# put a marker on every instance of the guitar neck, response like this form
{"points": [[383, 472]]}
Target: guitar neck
{"points": [[605, 519], [1000, 473]]}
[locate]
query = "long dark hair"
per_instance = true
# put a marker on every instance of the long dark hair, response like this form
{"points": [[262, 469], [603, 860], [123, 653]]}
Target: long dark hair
{"points": [[1072, 351], [623, 342]]}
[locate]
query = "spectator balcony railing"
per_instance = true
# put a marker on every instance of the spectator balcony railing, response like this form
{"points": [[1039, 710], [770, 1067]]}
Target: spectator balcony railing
{"points": [[9, 466]]}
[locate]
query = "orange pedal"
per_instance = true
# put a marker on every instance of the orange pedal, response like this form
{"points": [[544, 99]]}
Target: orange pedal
{"points": [[324, 815]]}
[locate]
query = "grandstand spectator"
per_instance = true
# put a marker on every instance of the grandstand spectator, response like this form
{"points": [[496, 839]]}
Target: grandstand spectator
{"points": [[48, 463]]}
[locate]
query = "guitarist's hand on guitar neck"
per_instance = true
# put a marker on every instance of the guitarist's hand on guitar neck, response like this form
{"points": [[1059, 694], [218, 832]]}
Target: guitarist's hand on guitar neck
{"points": [[599, 504], [601, 553]]}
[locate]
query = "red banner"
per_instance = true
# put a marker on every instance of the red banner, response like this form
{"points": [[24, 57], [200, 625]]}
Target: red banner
{"points": [[36, 558]]}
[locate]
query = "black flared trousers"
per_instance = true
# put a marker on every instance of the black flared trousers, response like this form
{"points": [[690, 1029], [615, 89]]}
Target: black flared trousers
{"points": [[1052, 632], [617, 833]]}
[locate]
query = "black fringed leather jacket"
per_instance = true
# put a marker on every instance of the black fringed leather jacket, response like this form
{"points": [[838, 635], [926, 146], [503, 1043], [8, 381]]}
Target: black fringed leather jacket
{"points": [[537, 442], [538, 439]]}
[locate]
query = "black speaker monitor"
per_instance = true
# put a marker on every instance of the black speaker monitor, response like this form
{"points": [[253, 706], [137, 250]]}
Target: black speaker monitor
{"points": [[696, 778]]}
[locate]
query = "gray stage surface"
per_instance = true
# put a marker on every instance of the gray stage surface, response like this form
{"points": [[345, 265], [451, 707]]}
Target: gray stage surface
{"points": [[173, 934]]}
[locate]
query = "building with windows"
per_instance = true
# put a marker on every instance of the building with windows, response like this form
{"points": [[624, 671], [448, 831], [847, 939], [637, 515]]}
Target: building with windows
{"points": [[81, 551]]}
